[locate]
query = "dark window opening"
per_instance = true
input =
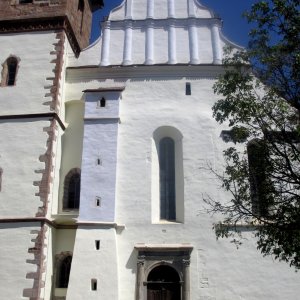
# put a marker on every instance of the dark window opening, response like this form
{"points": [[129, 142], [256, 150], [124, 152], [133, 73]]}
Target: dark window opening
{"points": [[72, 190], [97, 244], [25, 1], [98, 201], [188, 89], [167, 179], [81, 10], [102, 102], [94, 284], [64, 272], [163, 282], [12, 65], [81, 5], [260, 184]]}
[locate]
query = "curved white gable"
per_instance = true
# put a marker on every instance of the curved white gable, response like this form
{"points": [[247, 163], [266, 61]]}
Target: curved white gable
{"points": [[159, 9], [149, 32]]}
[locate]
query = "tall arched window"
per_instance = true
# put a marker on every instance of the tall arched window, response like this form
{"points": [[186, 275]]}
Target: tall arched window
{"points": [[12, 64], [72, 190], [9, 72], [261, 186], [63, 272], [167, 179]]}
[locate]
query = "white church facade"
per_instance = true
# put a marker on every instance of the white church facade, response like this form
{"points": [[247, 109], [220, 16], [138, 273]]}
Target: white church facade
{"points": [[103, 158]]}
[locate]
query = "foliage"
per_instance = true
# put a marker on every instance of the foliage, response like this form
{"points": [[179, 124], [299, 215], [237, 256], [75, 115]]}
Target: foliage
{"points": [[260, 102]]}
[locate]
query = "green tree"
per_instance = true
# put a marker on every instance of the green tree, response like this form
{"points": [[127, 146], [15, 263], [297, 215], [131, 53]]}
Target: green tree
{"points": [[260, 102]]}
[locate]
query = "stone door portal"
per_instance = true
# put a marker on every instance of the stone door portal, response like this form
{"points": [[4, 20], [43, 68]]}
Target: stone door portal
{"points": [[163, 283]]}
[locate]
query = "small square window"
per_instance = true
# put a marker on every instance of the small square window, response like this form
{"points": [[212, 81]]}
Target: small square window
{"points": [[98, 201], [188, 89], [97, 244], [94, 285]]}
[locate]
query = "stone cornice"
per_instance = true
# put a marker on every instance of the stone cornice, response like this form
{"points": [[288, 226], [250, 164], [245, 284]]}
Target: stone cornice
{"points": [[163, 247], [39, 116], [161, 22], [59, 224], [41, 24], [85, 73], [108, 89]]}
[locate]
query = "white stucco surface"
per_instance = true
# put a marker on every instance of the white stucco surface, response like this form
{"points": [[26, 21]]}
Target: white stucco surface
{"points": [[155, 98], [71, 145], [99, 157], [148, 53], [89, 263], [15, 240], [29, 93], [18, 197]]}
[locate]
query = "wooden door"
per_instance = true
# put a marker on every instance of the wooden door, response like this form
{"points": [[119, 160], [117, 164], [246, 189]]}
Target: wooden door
{"points": [[163, 284], [163, 291]]}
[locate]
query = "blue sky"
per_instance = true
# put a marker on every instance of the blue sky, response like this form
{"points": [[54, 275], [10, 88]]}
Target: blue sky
{"points": [[234, 26]]}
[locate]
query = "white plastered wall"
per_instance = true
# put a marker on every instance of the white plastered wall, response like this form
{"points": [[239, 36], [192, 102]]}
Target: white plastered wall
{"points": [[17, 240], [218, 270], [89, 263], [71, 145], [33, 50], [20, 162]]}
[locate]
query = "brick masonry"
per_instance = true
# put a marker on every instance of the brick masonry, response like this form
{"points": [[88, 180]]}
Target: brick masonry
{"points": [[49, 14]]}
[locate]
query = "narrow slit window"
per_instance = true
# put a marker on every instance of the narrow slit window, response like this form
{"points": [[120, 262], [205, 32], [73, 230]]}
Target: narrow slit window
{"points": [[11, 73], [102, 102], [167, 179], [99, 162], [188, 89], [97, 244], [98, 201], [81, 10], [64, 272], [94, 285]]}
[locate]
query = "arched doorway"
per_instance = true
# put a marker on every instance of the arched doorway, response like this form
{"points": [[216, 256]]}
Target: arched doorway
{"points": [[163, 283]]}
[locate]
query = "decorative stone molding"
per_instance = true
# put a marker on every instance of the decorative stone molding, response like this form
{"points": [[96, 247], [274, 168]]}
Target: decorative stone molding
{"points": [[57, 61], [52, 130], [151, 256], [47, 176], [39, 260]]}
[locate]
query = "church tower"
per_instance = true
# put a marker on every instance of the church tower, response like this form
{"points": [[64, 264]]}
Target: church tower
{"points": [[36, 38]]}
